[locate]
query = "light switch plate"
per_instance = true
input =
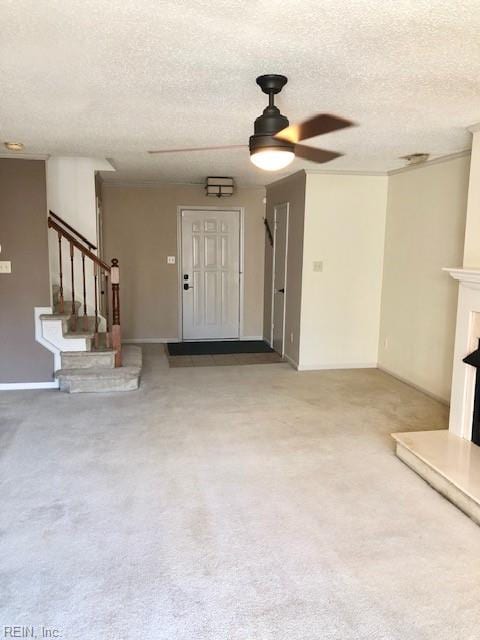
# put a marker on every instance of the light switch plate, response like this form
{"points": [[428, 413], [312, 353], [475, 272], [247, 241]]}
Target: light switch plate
{"points": [[5, 266], [318, 266], [170, 259]]}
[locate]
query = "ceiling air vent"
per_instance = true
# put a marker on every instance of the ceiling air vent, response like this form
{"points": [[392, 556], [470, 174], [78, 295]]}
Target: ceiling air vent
{"points": [[416, 158]]}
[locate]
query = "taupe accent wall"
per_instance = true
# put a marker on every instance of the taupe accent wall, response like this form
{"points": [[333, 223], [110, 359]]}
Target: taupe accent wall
{"points": [[140, 229], [23, 239], [291, 190]]}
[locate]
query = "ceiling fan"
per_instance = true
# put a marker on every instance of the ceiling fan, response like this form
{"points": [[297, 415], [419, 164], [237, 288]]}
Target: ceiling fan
{"points": [[275, 143]]}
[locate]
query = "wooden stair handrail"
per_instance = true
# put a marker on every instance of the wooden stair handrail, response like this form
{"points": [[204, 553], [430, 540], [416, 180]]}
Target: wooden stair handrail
{"points": [[53, 225], [112, 273], [89, 244]]}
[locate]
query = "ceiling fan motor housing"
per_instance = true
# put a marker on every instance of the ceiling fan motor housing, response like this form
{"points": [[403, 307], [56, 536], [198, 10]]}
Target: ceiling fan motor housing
{"points": [[271, 121]]}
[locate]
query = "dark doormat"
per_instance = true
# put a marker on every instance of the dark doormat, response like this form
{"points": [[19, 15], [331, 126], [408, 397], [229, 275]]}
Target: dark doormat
{"points": [[215, 348]]}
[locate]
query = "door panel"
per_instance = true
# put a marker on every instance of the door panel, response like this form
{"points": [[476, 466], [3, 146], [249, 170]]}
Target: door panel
{"points": [[280, 247], [211, 262]]}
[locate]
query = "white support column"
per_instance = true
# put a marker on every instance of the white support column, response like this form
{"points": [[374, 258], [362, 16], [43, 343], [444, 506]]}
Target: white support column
{"points": [[471, 256], [71, 195]]}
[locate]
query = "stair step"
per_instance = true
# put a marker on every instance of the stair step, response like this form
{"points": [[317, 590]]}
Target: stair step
{"points": [[102, 359], [54, 316], [100, 379]]}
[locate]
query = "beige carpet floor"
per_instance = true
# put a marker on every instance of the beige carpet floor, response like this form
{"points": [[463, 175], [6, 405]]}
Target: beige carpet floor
{"points": [[230, 503]]}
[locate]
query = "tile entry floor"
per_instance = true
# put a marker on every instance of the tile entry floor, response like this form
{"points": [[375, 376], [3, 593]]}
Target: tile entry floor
{"points": [[222, 360]]}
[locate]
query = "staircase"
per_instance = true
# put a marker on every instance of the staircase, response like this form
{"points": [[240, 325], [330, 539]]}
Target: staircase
{"points": [[95, 372], [89, 356]]}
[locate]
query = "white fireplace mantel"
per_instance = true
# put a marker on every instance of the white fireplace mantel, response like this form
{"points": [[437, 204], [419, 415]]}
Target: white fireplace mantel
{"points": [[467, 335], [448, 460], [469, 277]]}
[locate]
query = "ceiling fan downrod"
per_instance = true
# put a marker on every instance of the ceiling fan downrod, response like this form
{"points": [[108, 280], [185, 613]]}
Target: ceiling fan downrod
{"points": [[271, 121]]}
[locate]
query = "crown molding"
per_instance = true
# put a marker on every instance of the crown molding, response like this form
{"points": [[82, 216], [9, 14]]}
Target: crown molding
{"points": [[345, 172], [151, 184], [15, 155]]}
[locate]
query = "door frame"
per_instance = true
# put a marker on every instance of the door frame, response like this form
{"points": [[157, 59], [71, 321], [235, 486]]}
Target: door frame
{"points": [[241, 214], [277, 206]]}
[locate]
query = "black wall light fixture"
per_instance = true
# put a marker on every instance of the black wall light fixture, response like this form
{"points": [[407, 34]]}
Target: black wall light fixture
{"points": [[219, 186]]}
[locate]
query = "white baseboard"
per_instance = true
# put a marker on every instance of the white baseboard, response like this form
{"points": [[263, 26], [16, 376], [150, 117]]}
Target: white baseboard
{"points": [[291, 361], [251, 337], [12, 386], [149, 340], [415, 386], [347, 365]]}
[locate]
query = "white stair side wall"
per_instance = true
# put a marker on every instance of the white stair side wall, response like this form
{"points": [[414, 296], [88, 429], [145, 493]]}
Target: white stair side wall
{"points": [[37, 312], [49, 333]]}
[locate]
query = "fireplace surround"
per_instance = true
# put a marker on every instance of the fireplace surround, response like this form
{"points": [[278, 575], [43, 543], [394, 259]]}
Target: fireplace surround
{"points": [[467, 335]]}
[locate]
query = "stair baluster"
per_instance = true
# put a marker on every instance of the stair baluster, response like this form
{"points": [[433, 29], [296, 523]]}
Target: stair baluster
{"points": [[95, 277], [107, 313], [116, 333], [74, 308], [61, 305], [85, 316]]}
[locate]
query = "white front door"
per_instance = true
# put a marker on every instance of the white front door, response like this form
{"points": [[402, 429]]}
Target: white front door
{"points": [[280, 248], [210, 277]]}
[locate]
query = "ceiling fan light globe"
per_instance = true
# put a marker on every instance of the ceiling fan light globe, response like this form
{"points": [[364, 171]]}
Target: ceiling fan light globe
{"points": [[272, 159]]}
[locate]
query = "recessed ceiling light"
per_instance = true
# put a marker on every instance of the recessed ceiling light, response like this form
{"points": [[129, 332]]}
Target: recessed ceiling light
{"points": [[14, 146]]}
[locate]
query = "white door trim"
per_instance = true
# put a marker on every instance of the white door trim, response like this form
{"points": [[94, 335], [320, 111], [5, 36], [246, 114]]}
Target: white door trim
{"points": [[273, 275], [277, 206], [241, 212]]}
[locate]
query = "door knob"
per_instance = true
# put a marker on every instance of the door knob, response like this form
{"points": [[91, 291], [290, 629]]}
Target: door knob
{"points": [[280, 290], [186, 286]]}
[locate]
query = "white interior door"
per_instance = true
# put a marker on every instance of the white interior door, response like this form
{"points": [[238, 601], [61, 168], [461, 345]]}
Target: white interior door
{"points": [[279, 285], [210, 274]]}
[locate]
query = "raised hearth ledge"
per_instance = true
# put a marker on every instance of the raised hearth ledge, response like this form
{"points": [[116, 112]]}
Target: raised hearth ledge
{"points": [[450, 464]]}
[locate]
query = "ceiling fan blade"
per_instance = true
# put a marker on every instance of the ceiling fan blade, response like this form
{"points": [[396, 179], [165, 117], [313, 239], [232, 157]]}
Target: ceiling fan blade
{"points": [[226, 146], [316, 126], [314, 154]]}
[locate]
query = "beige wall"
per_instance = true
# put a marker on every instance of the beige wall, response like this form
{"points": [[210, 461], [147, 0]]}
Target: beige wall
{"points": [[23, 236], [345, 230], [291, 190], [140, 229], [425, 232]]}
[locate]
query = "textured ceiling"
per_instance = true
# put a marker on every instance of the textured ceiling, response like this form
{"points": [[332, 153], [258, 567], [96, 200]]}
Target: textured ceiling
{"points": [[113, 79]]}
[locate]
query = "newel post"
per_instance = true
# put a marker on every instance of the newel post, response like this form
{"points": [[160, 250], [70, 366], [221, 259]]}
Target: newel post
{"points": [[116, 333]]}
